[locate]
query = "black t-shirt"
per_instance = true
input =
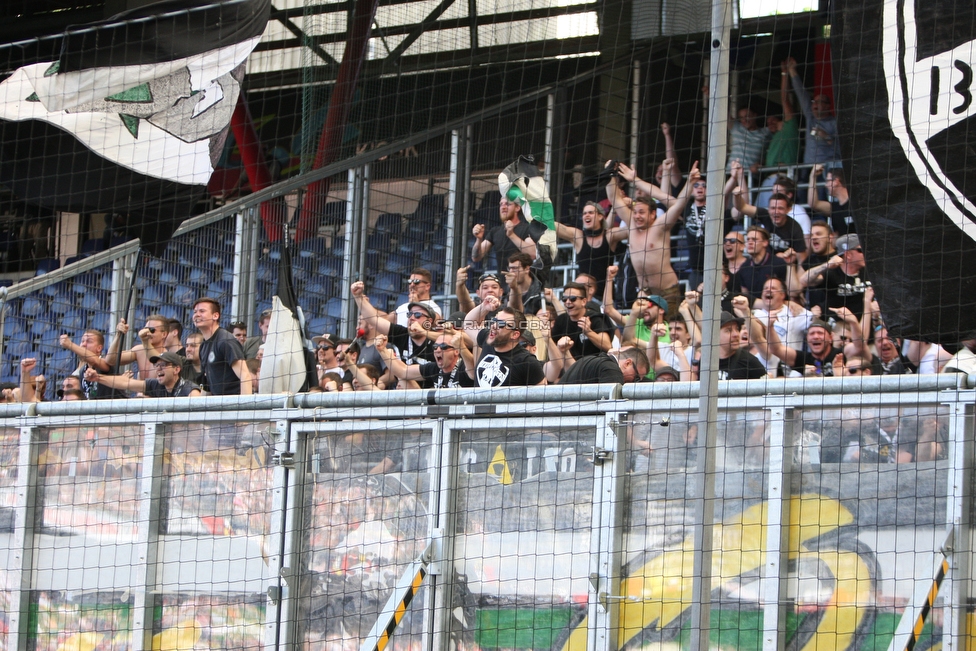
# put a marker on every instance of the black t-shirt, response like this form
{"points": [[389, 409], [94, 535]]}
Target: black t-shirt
{"points": [[789, 235], [155, 389], [817, 295], [841, 219], [515, 368], [410, 352], [217, 354], [97, 391], [437, 379], [742, 365], [825, 368], [503, 247], [845, 291], [753, 276], [593, 369], [565, 326]]}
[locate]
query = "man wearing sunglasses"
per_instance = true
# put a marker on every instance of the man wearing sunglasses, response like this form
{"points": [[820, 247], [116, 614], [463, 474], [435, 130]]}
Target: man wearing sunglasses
{"points": [[591, 331], [502, 362], [166, 384], [418, 291], [412, 340], [325, 356], [694, 217], [842, 277], [153, 338], [447, 371]]}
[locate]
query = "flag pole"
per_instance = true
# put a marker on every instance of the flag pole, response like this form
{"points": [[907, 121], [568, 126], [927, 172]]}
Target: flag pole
{"points": [[704, 476]]}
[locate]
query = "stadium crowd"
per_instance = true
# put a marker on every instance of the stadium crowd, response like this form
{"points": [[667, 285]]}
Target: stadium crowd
{"points": [[797, 298]]}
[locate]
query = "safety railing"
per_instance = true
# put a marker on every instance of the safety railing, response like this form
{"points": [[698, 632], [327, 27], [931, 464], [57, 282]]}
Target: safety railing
{"points": [[544, 518]]}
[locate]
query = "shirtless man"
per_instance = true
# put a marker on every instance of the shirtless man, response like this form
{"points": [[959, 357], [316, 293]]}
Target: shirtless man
{"points": [[650, 238], [153, 338]]}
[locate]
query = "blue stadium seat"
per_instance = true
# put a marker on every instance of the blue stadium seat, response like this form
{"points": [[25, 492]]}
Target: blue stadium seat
{"points": [[378, 241], [62, 362], [390, 222], [334, 214], [267, 271], [41, 329], [339, 247], [155, 295], [46, 265], [94, 301], [312, 247], [320, 325], [388, 282], [170, 274], [61, 303], [199, 275], [73, 320], [333, 307], [330, 266], [399, 263], [103, 322], [184, 295], [16, 349], [32, 306]]}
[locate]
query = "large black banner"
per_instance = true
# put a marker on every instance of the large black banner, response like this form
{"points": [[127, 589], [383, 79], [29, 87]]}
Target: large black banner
{"points": [[904, 81]]}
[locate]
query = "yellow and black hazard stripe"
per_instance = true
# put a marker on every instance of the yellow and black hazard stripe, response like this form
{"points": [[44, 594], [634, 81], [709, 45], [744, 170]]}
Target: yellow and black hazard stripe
{"points": [[928, 605], [401, 609]]}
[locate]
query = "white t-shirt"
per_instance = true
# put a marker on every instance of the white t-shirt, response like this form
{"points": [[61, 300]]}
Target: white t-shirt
{"points": [[401, 311], [801, 217], [792, 330]]}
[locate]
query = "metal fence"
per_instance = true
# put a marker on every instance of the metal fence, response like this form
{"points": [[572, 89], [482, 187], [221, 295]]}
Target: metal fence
{"points": [[555, 518]]}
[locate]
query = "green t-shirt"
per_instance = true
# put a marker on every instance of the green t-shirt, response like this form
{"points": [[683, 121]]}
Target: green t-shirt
{"points": [[784, 147]]}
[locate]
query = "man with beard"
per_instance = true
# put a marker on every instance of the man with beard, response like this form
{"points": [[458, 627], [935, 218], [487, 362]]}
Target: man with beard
{"points": [[595, 245], [733, 362], [192, 370], [447, 371], [502, 362], [842, 276], [591, 331], [167, 384], [650, 237], [513, 236], [889, 359], [819, 360]]}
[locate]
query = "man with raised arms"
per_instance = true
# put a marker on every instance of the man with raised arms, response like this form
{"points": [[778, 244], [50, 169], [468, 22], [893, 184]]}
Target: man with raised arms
{"points": [[650, 238]]}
